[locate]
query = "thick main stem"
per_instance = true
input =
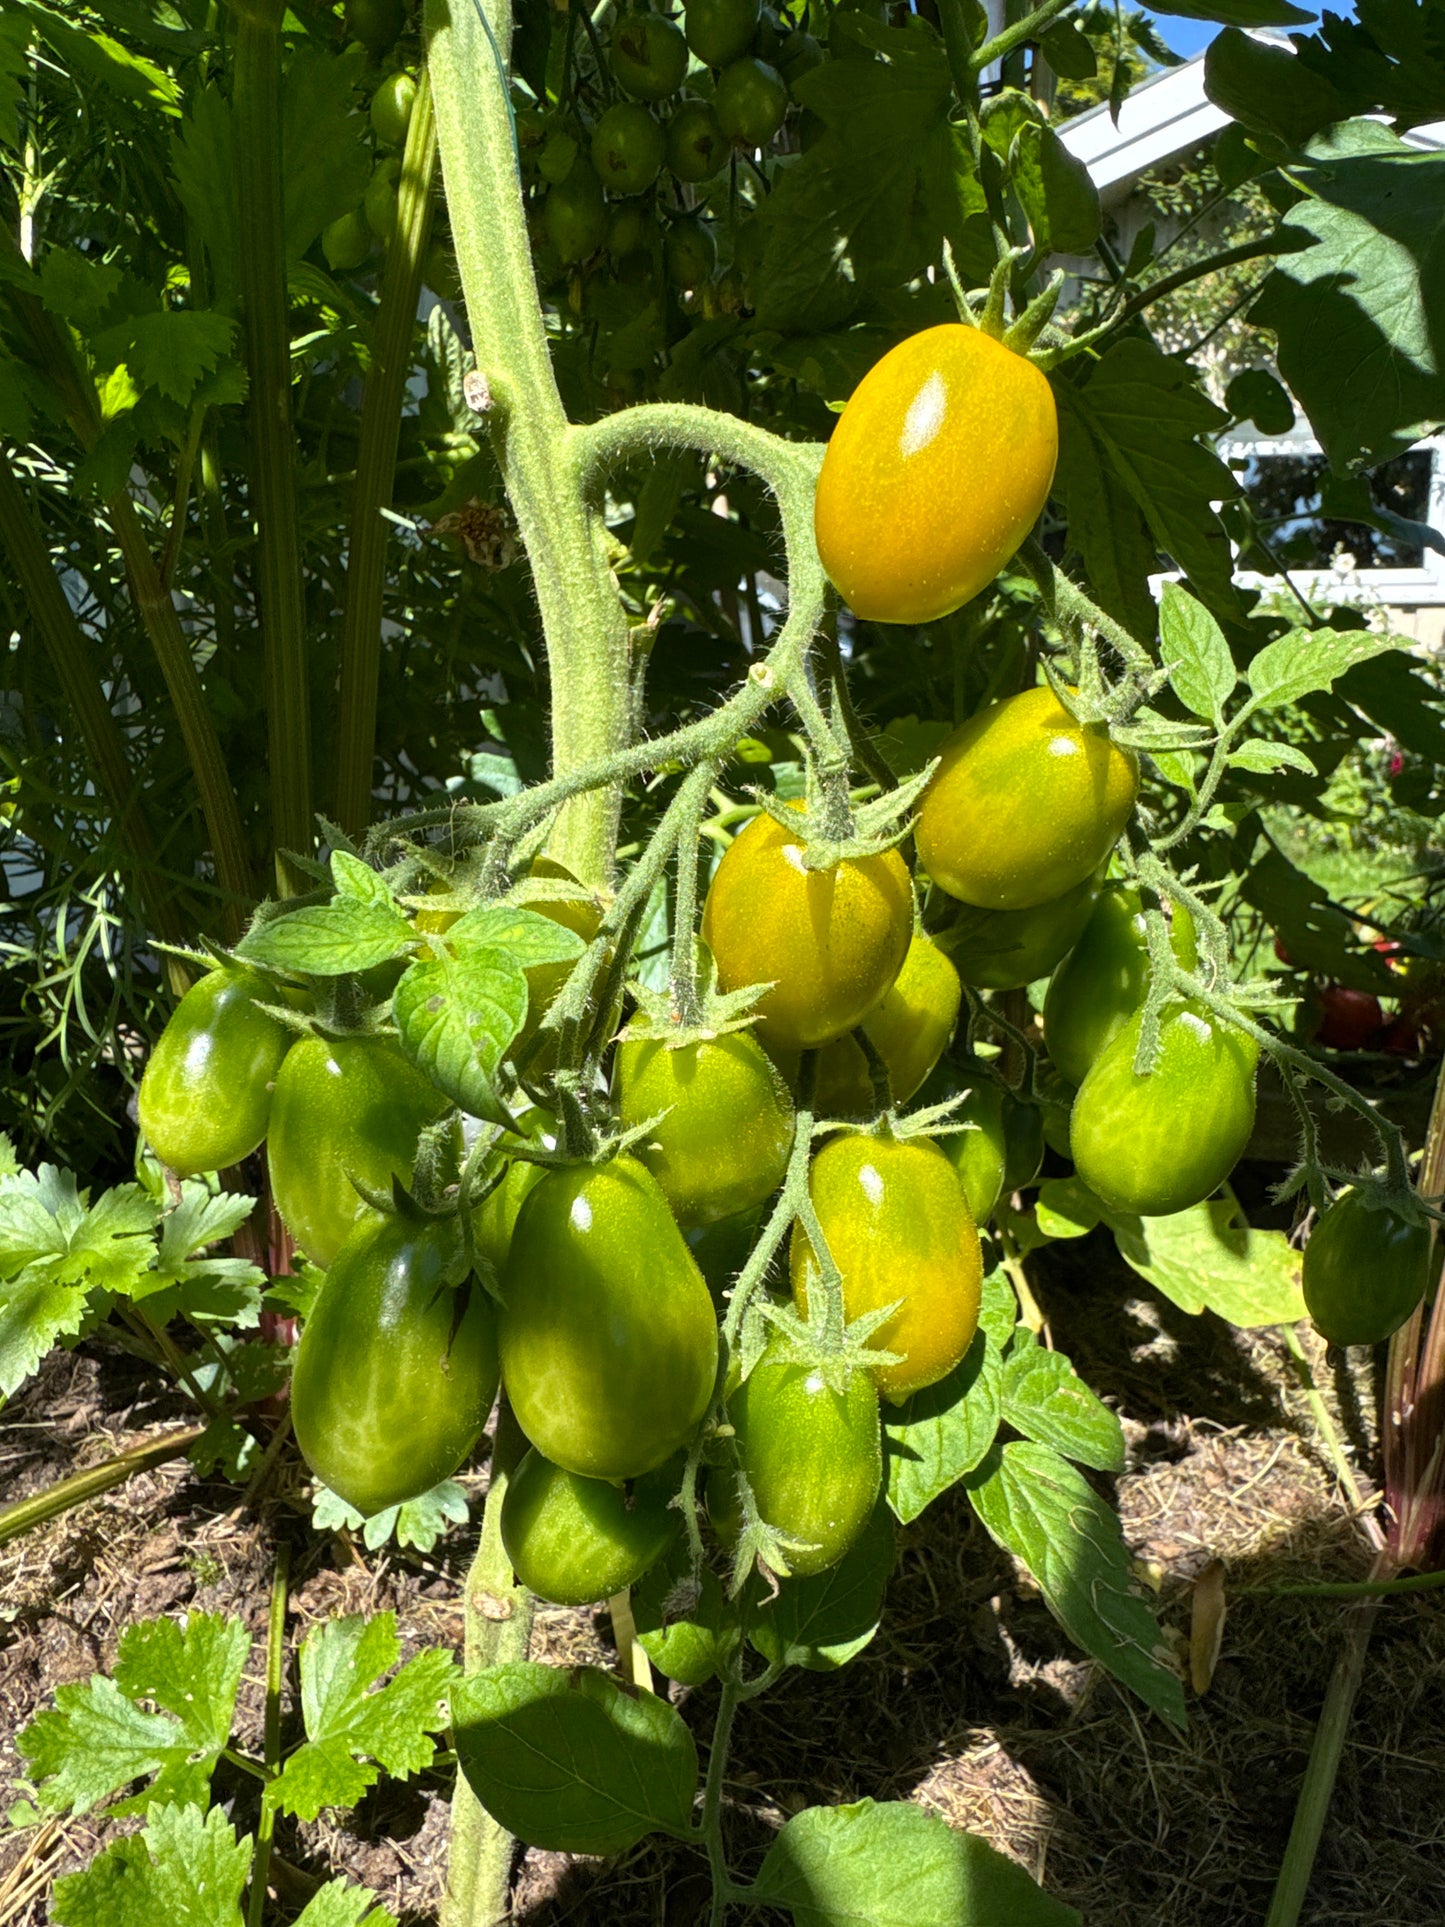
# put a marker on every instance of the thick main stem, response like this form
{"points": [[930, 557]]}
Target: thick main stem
{"points": [[280, 595], [582, 618]]}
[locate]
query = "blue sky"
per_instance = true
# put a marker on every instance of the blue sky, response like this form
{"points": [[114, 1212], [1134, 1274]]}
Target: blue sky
{"points": [[1189, 36]]}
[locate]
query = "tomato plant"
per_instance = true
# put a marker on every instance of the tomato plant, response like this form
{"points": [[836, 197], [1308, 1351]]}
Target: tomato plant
{"points": [[1101, 983], [628, 148], [396, 1370], [648, 56], [719, 31], [609, 1343], [574, 215], [691, 252], [391, 107], [909, 1029], [205, 1098], [1026, 803], [576, 1540], [979, 1153], [948, 416], [1006, 949], [751, 102], [897, 1226], [1366, 1268], [830, 941], [697, 147]]}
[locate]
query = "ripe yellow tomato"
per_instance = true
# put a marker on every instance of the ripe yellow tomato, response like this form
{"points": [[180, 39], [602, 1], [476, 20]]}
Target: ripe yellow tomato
{"points": [[830, 942], [909, 1030], [938, 468], [1025, 803], [898, 1227]]}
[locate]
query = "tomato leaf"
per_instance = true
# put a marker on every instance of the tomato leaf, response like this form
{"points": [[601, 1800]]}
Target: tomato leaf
{"points": [[823, 1622], [565, 1760], [1045, 1399], [456, 1017], [419, 1522], [1055, 190], [1266, 757], [1209, 1256], [527, 937], [339, 1904], [1040, 1508], [1243, 13], [1201, 669], [943, 1431], [890, 1864], [1308, 660], [328, 939], [97, 1739], [998, 1307], [353, 1734], [187, 1869], [1066, 1208]]}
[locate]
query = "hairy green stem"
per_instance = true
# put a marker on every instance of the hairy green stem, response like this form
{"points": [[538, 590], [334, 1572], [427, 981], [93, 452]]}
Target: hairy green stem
{"points": [[1018, 34], [25, 1514], [271, 1743], [712, 1800], [376, 467], [498, 1631], [280, 595], [1344, 1471]]}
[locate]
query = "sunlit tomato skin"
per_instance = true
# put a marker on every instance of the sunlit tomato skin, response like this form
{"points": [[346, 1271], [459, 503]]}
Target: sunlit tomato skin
{"points": [[1104, 979], [628, 148], [979, 1155], [830, 942], [1158, 1144], [909, 1030], [898, 1226], [609, 1340], [1365, 1270], [1005, 949], [1026, 803], [351, 1108], [938, 468], [205, 1096], [391, 107], [723, 1144], [574, 1540], [812, 1456], [396, 1371]]}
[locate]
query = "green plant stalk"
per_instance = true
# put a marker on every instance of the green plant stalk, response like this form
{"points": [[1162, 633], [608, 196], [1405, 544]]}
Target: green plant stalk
{"points": [[588, 644], [498, 1618], [60, 633], [1019, 34], [25, 1514], [376, 467], [281, 599], [275, 1678], [1344, 1471]]}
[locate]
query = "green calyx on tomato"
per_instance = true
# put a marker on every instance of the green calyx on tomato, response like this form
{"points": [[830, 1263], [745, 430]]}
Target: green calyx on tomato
{"points": [[1103, 980], [696, 146], [1366, 1267], [391, 107], [897, 1226], [936, 471], [1005, 949], [574, 214], [812, 1455], [720, 30], [574, 1540], [648, 55], [725, 1121], [909, 1029], [205, 1095], [628, 148], [1025, 804], [353, 1108], [751, 102], [830, 942], [609, 1340], [396, 1370], [1156, 1144]]}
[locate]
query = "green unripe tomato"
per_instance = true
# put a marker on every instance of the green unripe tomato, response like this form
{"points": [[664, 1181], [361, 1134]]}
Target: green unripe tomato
{"points": [[574, 215], [1005, 949], [799, 54], [1104, 979], [979, 1156], [395, 1373], [391, 107], [813, 1456], [628, 230], [495, 1218], [575, 1541], [346, 242], [377, 24], [205, 1096], [751, 102], [718, 31], [1158, 1144], [696, 146], [353, 1107], [1365, 1270], [628, 148], [1023, 1139], [380, 202], [724, 1141], [608, 1336], [909, 1029], [557, 157], [648, 56], [691, 253]]}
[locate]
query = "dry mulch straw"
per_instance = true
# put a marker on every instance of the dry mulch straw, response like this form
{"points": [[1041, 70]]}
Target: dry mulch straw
{"points": [[970, 1700]]}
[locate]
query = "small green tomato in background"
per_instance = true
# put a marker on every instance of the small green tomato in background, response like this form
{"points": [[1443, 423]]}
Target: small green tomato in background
{"points": [[574, 214], [1006, 949], [576, 1541], [391, 107], [628, 148], [751, 102], [909, 1030], [979, 1155], [690, 253], [1365, 1270], [346, 242], [648, 55], [720, 30], [697, 147]]}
